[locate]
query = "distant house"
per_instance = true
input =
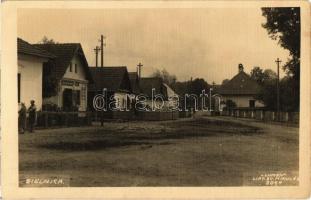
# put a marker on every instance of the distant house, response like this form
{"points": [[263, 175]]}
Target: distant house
{"points": [[30, 69], [159, 88], [71, 72], [134, 82], [241, 90], [116, 82]]}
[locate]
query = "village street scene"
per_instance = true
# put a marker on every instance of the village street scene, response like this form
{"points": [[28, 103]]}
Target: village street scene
{"points": [[143, 98]]}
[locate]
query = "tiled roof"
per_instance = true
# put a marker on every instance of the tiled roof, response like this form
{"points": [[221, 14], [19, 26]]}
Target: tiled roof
{"points": [[240, 84], [64, 53], [147, 84], [133, 75], [24, 47], [112, 78], [134, 82]]}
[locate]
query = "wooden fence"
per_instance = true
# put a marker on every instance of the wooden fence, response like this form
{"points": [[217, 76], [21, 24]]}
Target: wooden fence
{"points": [[131, 115], [263, 115], [47, 119]]}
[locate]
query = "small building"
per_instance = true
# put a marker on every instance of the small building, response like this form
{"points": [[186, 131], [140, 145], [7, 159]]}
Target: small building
{"points": [[241, 90], [115, 81], [71, 74], [156, 86], [30, 61]]}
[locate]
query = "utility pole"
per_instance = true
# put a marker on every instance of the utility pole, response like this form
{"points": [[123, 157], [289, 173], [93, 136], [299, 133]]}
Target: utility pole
{"points": [[139, 69], [97, 49], [102, 44], [210, 100], [278, 61]]}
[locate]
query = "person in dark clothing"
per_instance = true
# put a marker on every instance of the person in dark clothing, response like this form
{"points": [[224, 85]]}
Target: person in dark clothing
{"points": [[22, 119], [32, 115]]}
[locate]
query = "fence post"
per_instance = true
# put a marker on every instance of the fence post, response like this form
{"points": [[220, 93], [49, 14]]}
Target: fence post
{"points": [[66, 119], [46, 119], [89, 118], [286, 116], [261, 115], [272, 116]]}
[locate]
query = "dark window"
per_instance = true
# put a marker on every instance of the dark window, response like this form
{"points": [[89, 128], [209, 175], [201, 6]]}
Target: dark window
{"points": [[76, 68], [70, 67], [67, 99], [252, 103], [19, 87], [78, 97]]}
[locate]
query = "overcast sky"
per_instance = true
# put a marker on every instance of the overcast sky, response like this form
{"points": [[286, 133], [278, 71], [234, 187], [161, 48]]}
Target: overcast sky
{"points": [[204, 43]]}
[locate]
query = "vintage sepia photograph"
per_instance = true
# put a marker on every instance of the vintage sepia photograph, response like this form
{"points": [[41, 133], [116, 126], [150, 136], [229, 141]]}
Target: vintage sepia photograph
{"points": [[159, 96]]}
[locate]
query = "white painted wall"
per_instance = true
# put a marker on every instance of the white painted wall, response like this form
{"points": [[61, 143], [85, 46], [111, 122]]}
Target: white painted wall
{"points": [[30, 69], [165, 105], [170, 91], [80, 76], [121, 99], [243, 101]]}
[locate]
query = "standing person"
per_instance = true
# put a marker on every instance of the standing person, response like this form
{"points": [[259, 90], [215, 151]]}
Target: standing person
{"points": [[32, 115], [22, 119]]}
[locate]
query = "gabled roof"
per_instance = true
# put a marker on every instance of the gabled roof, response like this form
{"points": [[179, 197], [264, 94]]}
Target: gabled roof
{"points": [[240, 84], [147, 84], [24, 47], [169, 91], [133, 75], [64, 53], [112, 78], [134, 82]]}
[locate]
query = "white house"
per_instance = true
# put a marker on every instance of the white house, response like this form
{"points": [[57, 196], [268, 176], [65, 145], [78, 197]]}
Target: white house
{"points": [[71, 72], [29, 77], [241, 90]]}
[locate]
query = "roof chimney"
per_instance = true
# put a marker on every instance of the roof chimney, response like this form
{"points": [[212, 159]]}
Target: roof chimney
{"points": [[241, 68]]}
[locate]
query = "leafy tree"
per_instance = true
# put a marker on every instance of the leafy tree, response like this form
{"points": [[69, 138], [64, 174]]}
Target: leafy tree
{"points": [[268, 93], [257, 75], [197, 85], [49, 82], [269, 74], [283, 24], [191, 87], [261, 76], [166, 77], [46, 40]]}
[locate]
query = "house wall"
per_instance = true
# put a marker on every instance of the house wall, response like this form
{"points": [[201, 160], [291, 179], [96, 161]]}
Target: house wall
{"points": [[170, 91], [80, 75], [157, 104], [122, 99], [242, 101], [74, 81], [30, 69]]}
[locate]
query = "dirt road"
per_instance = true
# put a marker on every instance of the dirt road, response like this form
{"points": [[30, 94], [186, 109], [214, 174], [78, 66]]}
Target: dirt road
{"points": [[192, 152]]}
